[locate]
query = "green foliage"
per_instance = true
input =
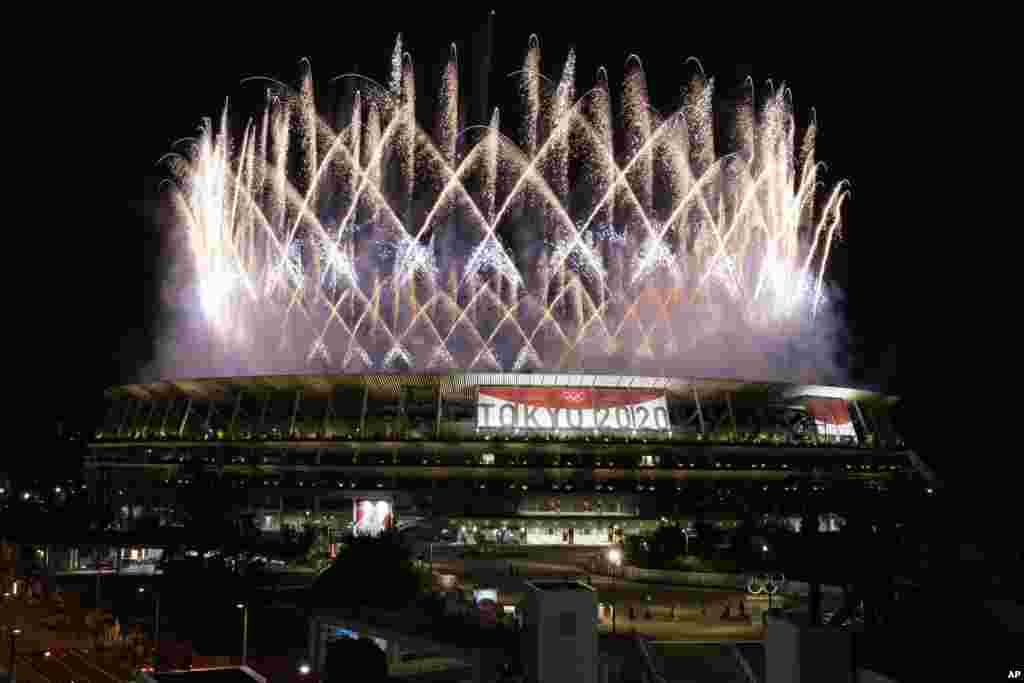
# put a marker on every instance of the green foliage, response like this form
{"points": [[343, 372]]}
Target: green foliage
{"points": [[318, 544], [372, 572], [347, 657]]}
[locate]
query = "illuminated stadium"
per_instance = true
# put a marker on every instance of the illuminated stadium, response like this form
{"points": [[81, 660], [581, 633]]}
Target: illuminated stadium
{"points": [[571, 458], [443, 322]]}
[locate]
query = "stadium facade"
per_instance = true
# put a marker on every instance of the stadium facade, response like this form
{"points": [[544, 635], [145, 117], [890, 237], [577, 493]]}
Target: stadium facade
{"points": [[546, 458]]}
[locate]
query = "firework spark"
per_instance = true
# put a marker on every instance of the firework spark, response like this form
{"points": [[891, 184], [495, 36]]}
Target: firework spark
{"points": [[464, 249]]}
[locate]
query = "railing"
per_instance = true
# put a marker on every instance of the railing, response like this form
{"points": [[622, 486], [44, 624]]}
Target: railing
{"points": [[651, 673], [467, 431], [745, 666]]}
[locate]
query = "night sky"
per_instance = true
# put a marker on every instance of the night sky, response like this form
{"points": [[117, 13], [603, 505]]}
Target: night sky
{"points": [[867, 86]]}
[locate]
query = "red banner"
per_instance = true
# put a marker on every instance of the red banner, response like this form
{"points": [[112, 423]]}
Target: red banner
{"points": [[831, 416], [572, 397], [571, 408]]}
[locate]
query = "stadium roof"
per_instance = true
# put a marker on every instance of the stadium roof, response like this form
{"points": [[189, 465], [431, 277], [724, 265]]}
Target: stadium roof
{"points": [[462, 384]]}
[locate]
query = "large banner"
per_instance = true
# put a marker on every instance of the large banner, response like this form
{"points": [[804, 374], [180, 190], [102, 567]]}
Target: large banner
{"points": [[831, 416], [571, 408]]}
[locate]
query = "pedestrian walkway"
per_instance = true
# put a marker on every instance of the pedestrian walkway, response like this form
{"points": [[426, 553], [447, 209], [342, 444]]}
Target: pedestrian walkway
{"points": [[676, 612]]}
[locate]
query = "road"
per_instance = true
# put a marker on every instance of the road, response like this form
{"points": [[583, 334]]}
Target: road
{"points": [[705, 662]]}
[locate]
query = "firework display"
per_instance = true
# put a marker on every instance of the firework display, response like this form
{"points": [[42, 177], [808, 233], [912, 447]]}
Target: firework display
{"points": [[368, 243]]}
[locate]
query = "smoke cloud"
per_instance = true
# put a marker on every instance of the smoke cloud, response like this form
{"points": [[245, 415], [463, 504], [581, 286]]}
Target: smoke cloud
{"points": [[630, 246]]}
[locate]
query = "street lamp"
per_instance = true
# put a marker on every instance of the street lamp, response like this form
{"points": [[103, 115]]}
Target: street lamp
{"points": [[245, 629], [156, 616], [304, 669], [15, 632], [614, 560]]}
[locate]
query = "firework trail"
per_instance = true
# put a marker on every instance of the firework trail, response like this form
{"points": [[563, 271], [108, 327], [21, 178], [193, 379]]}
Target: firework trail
{"points": [[589, 243]]}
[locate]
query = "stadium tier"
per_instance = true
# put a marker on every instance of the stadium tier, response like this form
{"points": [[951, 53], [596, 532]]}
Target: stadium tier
{"points": [[535, 457]]}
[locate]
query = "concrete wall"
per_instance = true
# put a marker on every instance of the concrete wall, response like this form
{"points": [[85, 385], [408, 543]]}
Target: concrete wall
{"points": [[797, 653], [560, 634]]}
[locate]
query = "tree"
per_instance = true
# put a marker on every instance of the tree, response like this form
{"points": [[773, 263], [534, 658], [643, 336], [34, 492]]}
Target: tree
{"points": [[707, 537], [351, 659], [208, 508], [744, 537], [319, 542], [373, 572], [201, 594], [667, 543]]}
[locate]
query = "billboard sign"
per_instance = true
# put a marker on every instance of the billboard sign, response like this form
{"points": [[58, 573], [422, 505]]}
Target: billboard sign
{"points": [[550, 408], [371, 516], [831, 417]]}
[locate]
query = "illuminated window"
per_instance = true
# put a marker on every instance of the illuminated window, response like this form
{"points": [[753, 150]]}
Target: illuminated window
{"points": [[487, 459]]}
